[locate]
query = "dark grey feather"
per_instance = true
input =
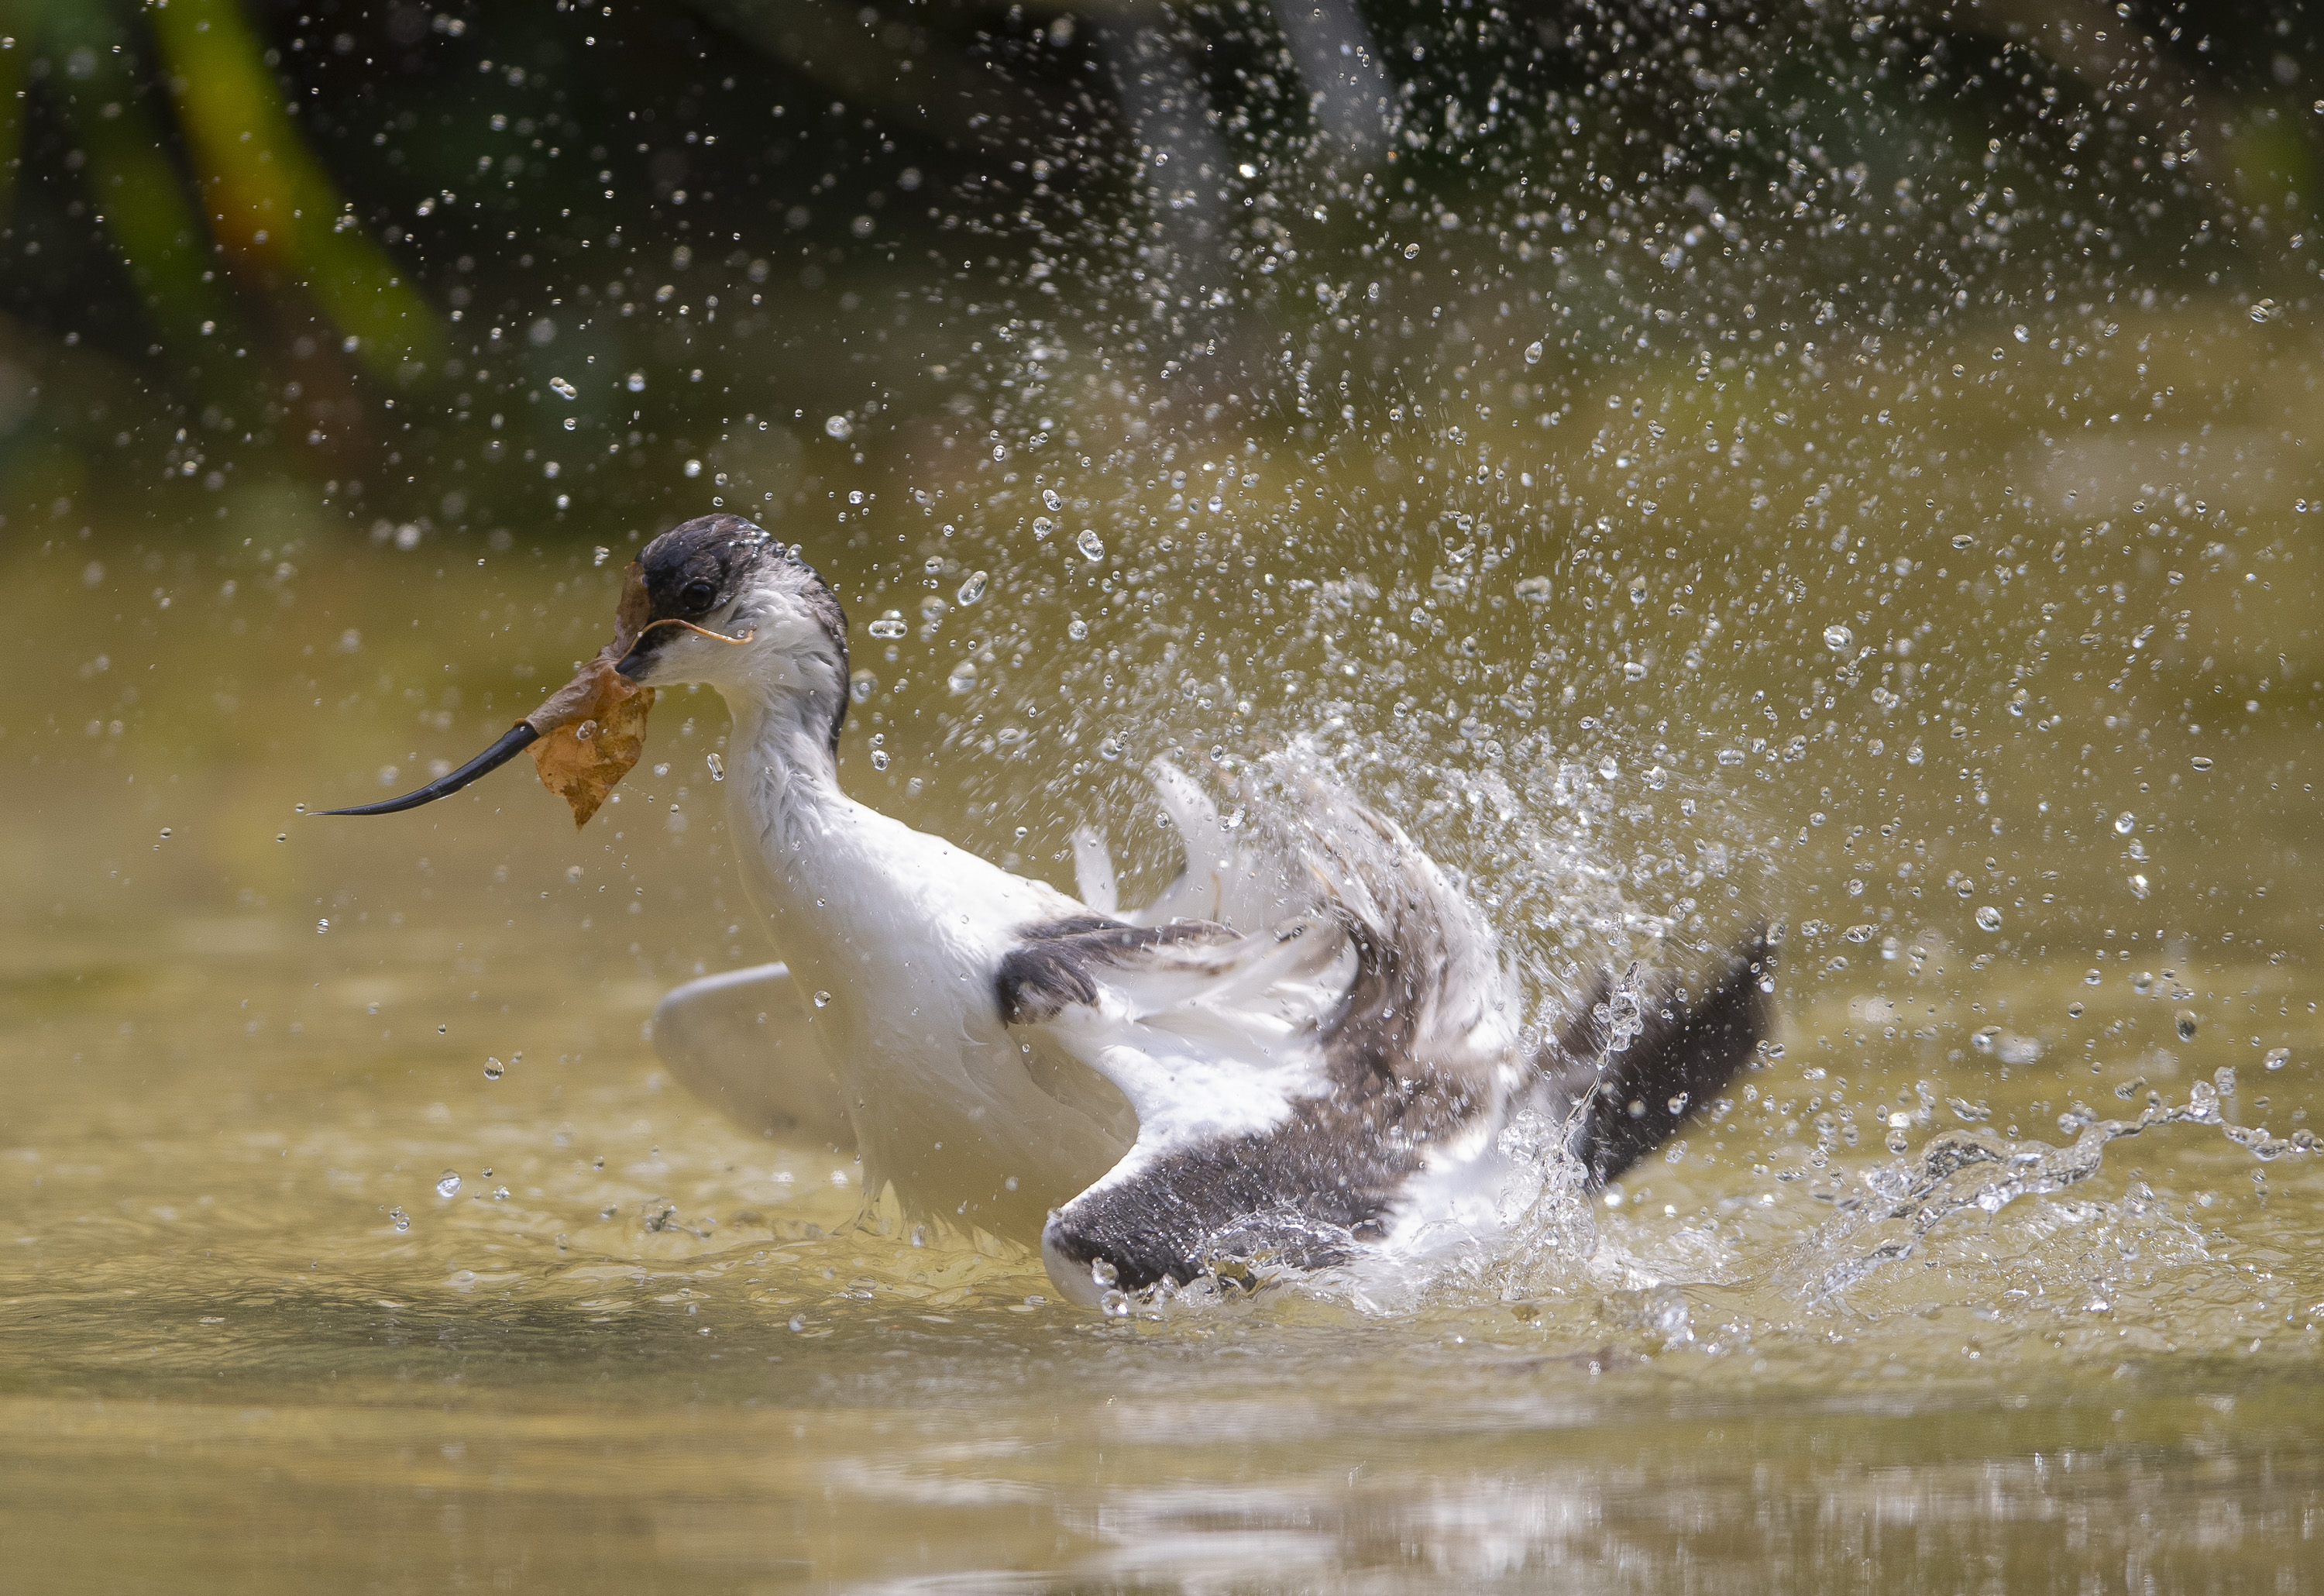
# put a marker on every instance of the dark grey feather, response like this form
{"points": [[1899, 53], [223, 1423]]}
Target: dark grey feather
{"points": [[1629, 1101]]}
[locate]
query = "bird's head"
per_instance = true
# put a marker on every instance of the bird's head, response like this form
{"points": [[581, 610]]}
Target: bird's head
{"points": [[733, 607], [717, 600]]}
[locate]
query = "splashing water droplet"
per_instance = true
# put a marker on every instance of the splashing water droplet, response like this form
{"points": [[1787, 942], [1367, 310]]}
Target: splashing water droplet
{"points": [[321, 926], [1078, 631], [2092, 977], [563, 389], [837, 427], [1633, 672], [601, 554], [2143, 983], [717, 766], [1533, 353], [1989, 918], [2277, 1058], [447, 1185], [1839, 639], [2185, 1021], [2202, 761], [963, 677], [401, 1221], [494, 1069], [879, 759], [974, 588], [1092, 545], [823, 1000], [1534, 590], [2125, 822], [636, 383], [2138, 887], [1964, 539], [889, 626]]}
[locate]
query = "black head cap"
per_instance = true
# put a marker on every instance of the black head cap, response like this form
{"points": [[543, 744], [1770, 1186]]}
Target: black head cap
{"points": [[699, 565], [696, 569]]}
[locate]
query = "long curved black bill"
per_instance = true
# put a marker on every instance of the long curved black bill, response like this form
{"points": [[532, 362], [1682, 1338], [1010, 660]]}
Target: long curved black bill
{"points": [[518, 738]]}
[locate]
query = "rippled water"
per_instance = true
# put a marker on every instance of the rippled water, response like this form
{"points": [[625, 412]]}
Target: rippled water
{"points": [[255, 1332]]}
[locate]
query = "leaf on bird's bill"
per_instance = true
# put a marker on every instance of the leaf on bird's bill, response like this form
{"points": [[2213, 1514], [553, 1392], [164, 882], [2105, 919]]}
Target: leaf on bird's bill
{"points": [[593, 729]]}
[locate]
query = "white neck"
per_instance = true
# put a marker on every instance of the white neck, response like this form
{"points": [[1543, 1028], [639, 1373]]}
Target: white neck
{"points": [[788, 777]]}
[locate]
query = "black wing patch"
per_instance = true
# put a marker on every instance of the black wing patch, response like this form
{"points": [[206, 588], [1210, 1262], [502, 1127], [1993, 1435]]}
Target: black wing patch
{"points": [[1053, 967], [1626, 1103], [1305, 1194]]}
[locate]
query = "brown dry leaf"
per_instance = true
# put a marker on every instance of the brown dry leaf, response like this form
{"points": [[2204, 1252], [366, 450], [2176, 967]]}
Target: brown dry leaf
{"points": [[593, 729]]}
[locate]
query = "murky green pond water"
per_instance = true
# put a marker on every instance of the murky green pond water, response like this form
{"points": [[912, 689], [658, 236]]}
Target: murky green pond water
{"points": [[2015, 734]]}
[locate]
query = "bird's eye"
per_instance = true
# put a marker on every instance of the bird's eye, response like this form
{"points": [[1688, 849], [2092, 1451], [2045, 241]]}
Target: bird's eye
{"points": [[697, 595]]}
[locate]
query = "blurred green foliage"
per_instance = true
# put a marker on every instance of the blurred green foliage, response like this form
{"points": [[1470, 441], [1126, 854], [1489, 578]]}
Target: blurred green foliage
{"points": [[348, 246]]}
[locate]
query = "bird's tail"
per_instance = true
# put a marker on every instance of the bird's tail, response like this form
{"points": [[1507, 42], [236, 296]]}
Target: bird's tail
{"points": [[1642, 1053]]}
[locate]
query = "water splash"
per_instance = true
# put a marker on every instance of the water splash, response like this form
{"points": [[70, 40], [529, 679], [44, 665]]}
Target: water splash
{"points": [[1978, 1170]]}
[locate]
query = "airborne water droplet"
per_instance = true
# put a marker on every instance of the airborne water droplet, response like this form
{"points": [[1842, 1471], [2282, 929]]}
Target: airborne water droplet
{"points": [[1633, 672], [974, 588], [447, 1185], [2202, 761], [1964, 539], [2185, 1020], [889, 626], [2138, 886], [563, 389], [2125, 822], [2277, 1058], [494, 1069], [717, 766], [823, 1000], [1092, 545], [1839, 639], [963, 677], [402, 1220], [1989, 918], [1079, 630], [1533, 353], [879, 759]]}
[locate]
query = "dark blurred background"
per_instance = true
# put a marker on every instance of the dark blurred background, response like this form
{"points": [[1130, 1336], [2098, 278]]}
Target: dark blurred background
{"points": [[447, 270]]}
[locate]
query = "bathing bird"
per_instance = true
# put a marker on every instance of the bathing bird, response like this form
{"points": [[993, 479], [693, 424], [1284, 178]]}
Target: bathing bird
{"points": [[1309, 1048]]}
